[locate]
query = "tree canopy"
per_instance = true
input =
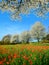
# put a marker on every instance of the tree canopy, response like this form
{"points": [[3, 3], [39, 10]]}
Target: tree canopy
{"points": [[38, 31], [16, 7]]}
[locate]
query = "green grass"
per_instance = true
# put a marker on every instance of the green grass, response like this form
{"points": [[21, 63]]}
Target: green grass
{"points": [[40, 44]]}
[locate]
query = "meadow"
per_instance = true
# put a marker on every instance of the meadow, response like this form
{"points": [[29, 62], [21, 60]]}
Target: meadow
{"points": [[24, 54]]}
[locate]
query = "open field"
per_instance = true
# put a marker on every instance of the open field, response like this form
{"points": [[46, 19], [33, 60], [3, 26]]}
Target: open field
{"points": [[24, 54]]}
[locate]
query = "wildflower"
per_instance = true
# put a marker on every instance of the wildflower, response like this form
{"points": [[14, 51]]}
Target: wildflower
{"points": [[1, 62], [9, 57], [32, 50], [7, 62], [30, 61], [15, 56], [25, 57], [31, 55], [4, 59], [34, 58]]}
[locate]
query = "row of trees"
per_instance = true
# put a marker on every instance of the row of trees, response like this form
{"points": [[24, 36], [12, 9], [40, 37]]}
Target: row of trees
{"points": [[37, 32], [22, 38]]}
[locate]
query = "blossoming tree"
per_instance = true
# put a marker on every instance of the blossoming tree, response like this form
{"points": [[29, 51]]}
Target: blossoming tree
{"points": [[38, 31], [16, 7]]}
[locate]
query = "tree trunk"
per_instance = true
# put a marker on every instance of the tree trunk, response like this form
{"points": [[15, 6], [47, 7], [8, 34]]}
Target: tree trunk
{"points": [[38, 40], [27, 40]]}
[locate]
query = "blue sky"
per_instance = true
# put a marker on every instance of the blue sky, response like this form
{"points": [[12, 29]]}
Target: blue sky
{"points": [[8, 26]]}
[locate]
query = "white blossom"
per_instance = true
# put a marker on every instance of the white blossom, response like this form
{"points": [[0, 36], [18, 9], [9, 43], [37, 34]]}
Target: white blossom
{"points": [[16, 7]]}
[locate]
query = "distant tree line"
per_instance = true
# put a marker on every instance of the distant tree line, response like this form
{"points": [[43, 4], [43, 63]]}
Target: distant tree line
{"points": [[37, 32]]}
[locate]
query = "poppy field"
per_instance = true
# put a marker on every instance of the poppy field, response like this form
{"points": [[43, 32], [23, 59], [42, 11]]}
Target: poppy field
{"points": [[24, 54]]}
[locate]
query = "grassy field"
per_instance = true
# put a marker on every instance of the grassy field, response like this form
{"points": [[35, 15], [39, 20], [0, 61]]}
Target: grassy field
{"points": [[24, 54]]}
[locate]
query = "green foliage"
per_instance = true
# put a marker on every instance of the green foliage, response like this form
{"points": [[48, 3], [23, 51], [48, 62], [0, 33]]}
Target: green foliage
{"points": [[45, 39]]}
